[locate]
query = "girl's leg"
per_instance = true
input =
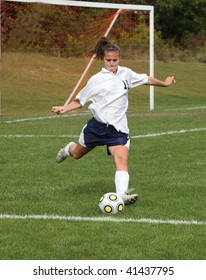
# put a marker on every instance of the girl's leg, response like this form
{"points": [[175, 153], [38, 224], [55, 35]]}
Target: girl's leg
{"points": [[72, 150], [121, 155], [77, 151]]}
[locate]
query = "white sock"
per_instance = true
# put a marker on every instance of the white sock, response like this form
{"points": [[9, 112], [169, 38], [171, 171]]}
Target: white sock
{"points": [[66, 148], [121, 181]]}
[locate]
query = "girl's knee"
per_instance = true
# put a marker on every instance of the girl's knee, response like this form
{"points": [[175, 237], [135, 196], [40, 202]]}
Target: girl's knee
{"points": [[76, 155], [79, 151]]}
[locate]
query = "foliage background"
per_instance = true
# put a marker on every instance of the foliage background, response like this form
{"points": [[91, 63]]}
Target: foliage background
{"points": [[180, 28]]}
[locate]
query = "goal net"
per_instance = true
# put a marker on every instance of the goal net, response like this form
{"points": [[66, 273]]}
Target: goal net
{"points": [[46, 50]]}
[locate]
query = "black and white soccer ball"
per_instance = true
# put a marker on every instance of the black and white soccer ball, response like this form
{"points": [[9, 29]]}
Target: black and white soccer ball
{"points": [[111, 203]]}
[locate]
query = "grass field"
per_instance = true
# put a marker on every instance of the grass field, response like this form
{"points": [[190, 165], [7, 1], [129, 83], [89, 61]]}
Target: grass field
{"points": [[50, 211]]}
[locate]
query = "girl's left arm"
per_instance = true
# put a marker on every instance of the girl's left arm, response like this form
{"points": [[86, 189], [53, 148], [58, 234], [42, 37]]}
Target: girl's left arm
{"points": [[155, 82]]}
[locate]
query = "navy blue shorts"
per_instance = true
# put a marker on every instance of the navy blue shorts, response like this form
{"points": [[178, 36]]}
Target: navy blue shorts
{"points": [[98, 134]]}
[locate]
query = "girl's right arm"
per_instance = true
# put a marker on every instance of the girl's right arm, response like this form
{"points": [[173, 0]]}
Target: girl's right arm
{"points": [[67, 108]]}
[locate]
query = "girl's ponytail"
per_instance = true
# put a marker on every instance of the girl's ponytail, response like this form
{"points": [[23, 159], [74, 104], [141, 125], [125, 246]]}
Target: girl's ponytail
{"points": [[102, 46]]}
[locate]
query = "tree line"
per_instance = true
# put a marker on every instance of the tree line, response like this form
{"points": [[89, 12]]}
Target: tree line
{"points": [[181, 21], [179, 24]]}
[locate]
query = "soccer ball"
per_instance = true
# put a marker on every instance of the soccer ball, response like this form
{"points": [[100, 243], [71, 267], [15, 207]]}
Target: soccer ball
{"points": [[111, 203]]}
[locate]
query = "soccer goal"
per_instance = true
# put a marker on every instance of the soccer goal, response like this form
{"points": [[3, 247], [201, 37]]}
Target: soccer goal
{"points": [[70, 30]]}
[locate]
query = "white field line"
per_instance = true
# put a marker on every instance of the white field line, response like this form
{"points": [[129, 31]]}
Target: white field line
{"points": [[37, 136], [82, 114], [44, 118], [169, 132], [185, 109], [76, 136], [102, 219]]}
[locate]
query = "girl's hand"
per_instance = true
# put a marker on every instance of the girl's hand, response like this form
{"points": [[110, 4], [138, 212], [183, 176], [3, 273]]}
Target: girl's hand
{"points": [[169, 81], [66, 108], [59, 109]]}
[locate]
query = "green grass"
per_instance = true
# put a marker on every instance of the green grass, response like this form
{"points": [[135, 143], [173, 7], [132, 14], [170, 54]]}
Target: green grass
{"points": [[168, 172], [31, 84]]}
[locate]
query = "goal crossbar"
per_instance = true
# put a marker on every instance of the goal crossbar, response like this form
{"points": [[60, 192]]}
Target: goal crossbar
{"points": [[90, 4]]}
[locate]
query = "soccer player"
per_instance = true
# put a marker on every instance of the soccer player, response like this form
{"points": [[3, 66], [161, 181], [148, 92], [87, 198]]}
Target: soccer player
{"points": [[108, 92]]}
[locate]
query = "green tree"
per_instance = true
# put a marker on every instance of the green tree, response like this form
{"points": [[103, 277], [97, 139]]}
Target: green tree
{"points": [[179, 19]]}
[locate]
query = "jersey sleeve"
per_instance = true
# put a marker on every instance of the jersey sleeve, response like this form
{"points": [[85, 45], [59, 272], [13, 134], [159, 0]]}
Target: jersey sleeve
{"points": [[138, 79], [85, 94]]}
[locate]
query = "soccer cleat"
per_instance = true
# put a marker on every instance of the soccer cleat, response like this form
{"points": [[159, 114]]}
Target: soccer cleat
{"points": [[62, 155], [129, 198]]}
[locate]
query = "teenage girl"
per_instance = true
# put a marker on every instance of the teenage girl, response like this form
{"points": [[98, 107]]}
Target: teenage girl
{"points": [[108, 92]]}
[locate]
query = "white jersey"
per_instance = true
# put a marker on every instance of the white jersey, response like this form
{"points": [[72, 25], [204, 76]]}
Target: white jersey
{"points": [[108, 93]]}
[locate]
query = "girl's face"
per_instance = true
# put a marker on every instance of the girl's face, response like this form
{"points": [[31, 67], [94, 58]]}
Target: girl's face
{"points": [[111, 61]]}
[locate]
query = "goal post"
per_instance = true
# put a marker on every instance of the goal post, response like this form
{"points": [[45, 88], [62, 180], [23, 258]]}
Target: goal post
{"points": [[146, 11], [74, 92]]}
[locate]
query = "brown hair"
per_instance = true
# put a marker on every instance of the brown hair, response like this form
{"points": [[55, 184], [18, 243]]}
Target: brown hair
{"points": [[104, 45]]}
